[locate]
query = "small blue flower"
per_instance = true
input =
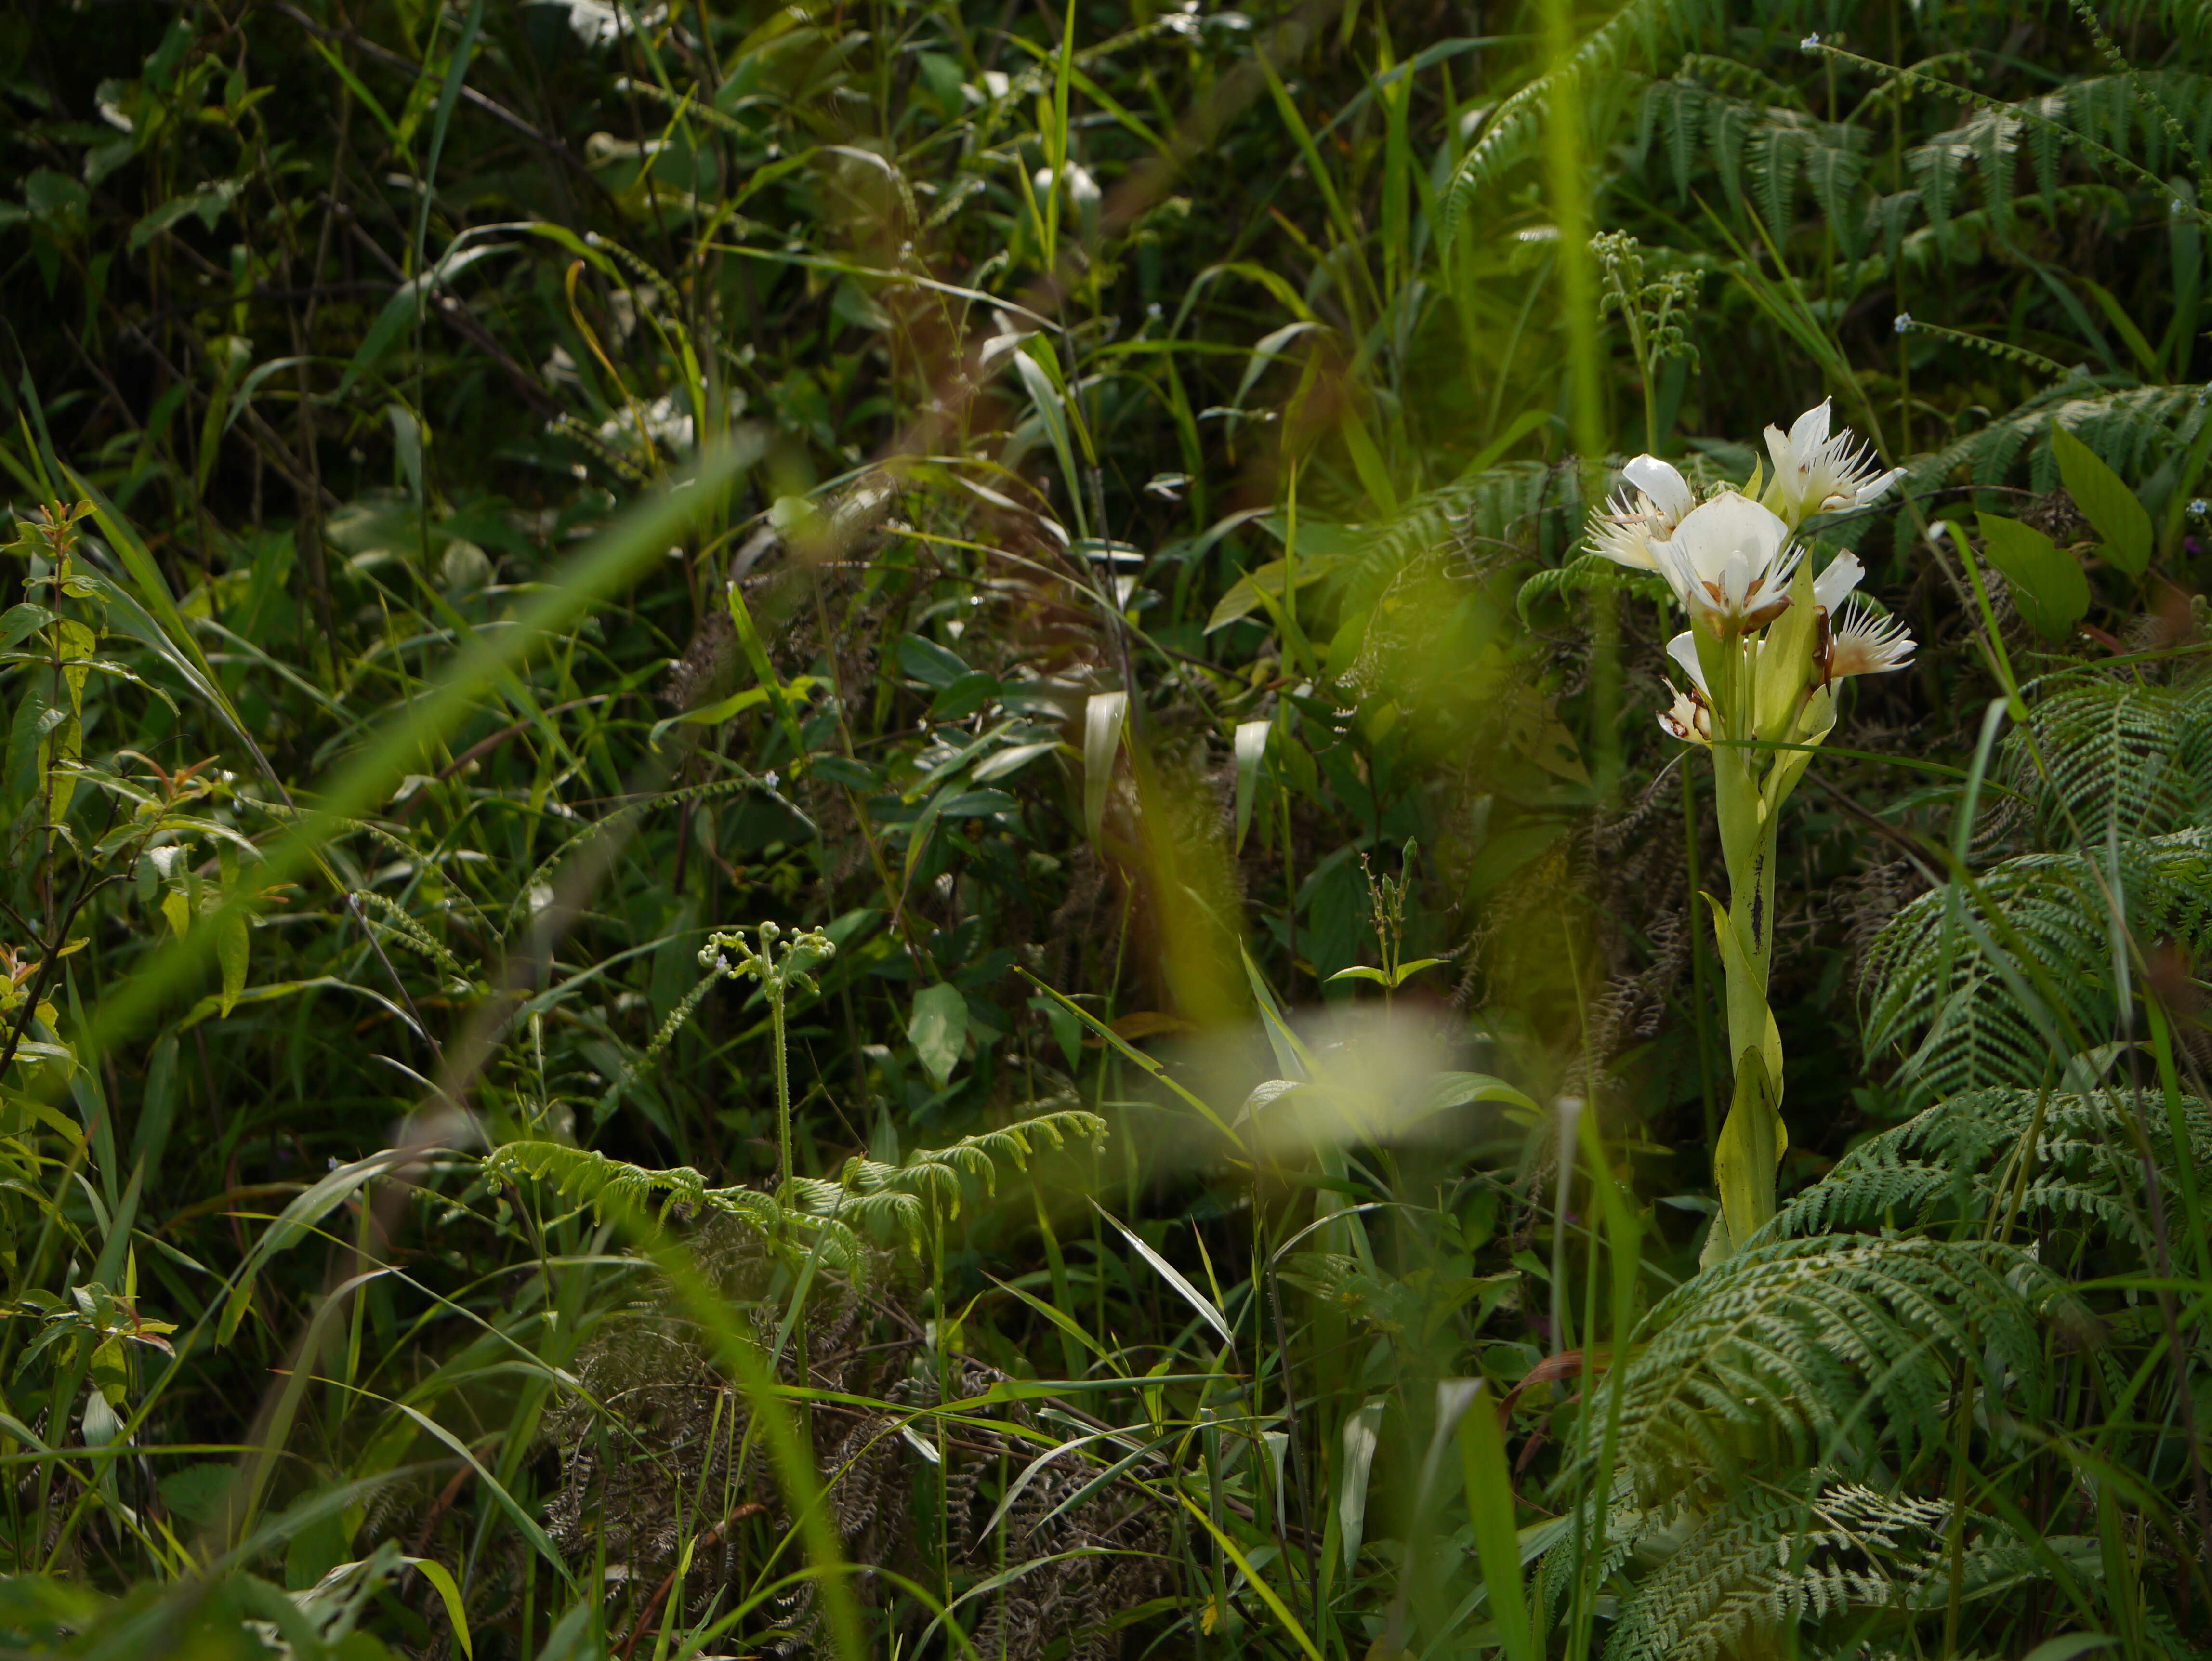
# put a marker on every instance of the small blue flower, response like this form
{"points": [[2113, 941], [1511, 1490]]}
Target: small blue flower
{"points": [[1903, 323]]}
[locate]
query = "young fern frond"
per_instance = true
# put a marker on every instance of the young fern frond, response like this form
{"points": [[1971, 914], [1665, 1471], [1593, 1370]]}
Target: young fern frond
{"points": [[872, 1191], [869, 1196], [614, 1189], [610, 1187]]}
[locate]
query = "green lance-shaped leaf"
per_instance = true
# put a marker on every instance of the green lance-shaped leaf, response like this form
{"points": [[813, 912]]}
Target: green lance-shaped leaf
{"points": [[2109, 505], [1251, 751], [2047, 584], [1102, 721], [1784, 663], [1752, 1141]]}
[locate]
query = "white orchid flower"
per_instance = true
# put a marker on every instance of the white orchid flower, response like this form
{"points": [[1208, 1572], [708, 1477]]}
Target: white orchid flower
{"points": [[1730, 563], [1654, 501], [1864, 643], [1816, 473]]}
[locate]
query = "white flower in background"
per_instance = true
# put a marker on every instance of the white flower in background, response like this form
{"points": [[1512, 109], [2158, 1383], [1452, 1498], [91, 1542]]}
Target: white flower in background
{"points": [[1730, 563], [1655, 500], [666, 421], [1864, 644], [1817, 473], [597, 23]]}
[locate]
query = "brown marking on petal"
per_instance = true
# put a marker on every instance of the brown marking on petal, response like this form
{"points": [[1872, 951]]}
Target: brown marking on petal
{"points": [[1767, 613], [1758, 900]]}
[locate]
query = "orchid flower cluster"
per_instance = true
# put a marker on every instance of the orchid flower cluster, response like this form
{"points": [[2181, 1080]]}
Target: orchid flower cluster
{"points": [[1766, 644], [1730, 561]]}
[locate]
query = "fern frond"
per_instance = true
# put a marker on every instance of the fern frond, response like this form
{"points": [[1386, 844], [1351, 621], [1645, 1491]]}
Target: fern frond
{"points": [[871, 1191], [614, 1189], [1763, 1358], [1962, 1159], [2076, 130], [1770, 1559], [1935, 992], [2128, 429], [2115, 758], [610, 1187], [1508, 137]]}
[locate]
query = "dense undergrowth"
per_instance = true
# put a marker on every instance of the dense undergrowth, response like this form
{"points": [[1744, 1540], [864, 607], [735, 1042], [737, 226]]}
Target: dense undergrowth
{"points": [[825, 833]]}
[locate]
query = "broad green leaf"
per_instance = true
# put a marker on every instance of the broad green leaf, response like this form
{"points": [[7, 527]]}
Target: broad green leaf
{"points": [[933, 666], [1414, 966], [1264, 583], [2109, 505], [22, 622], [2047, 582], [728, 709], [210, 202], [938, 1026], [1751, 1145]]}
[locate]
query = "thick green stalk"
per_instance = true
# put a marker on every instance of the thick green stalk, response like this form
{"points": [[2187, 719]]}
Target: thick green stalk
{"points": [[1751, 1136]]}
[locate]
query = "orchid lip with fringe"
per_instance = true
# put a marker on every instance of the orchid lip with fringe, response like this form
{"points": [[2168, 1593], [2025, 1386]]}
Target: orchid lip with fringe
{"points": [[1863, 642], [1654, 500]]}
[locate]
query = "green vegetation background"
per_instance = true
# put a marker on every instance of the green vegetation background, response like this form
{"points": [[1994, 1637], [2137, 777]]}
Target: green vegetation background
{"points": [[1084, 508]]}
